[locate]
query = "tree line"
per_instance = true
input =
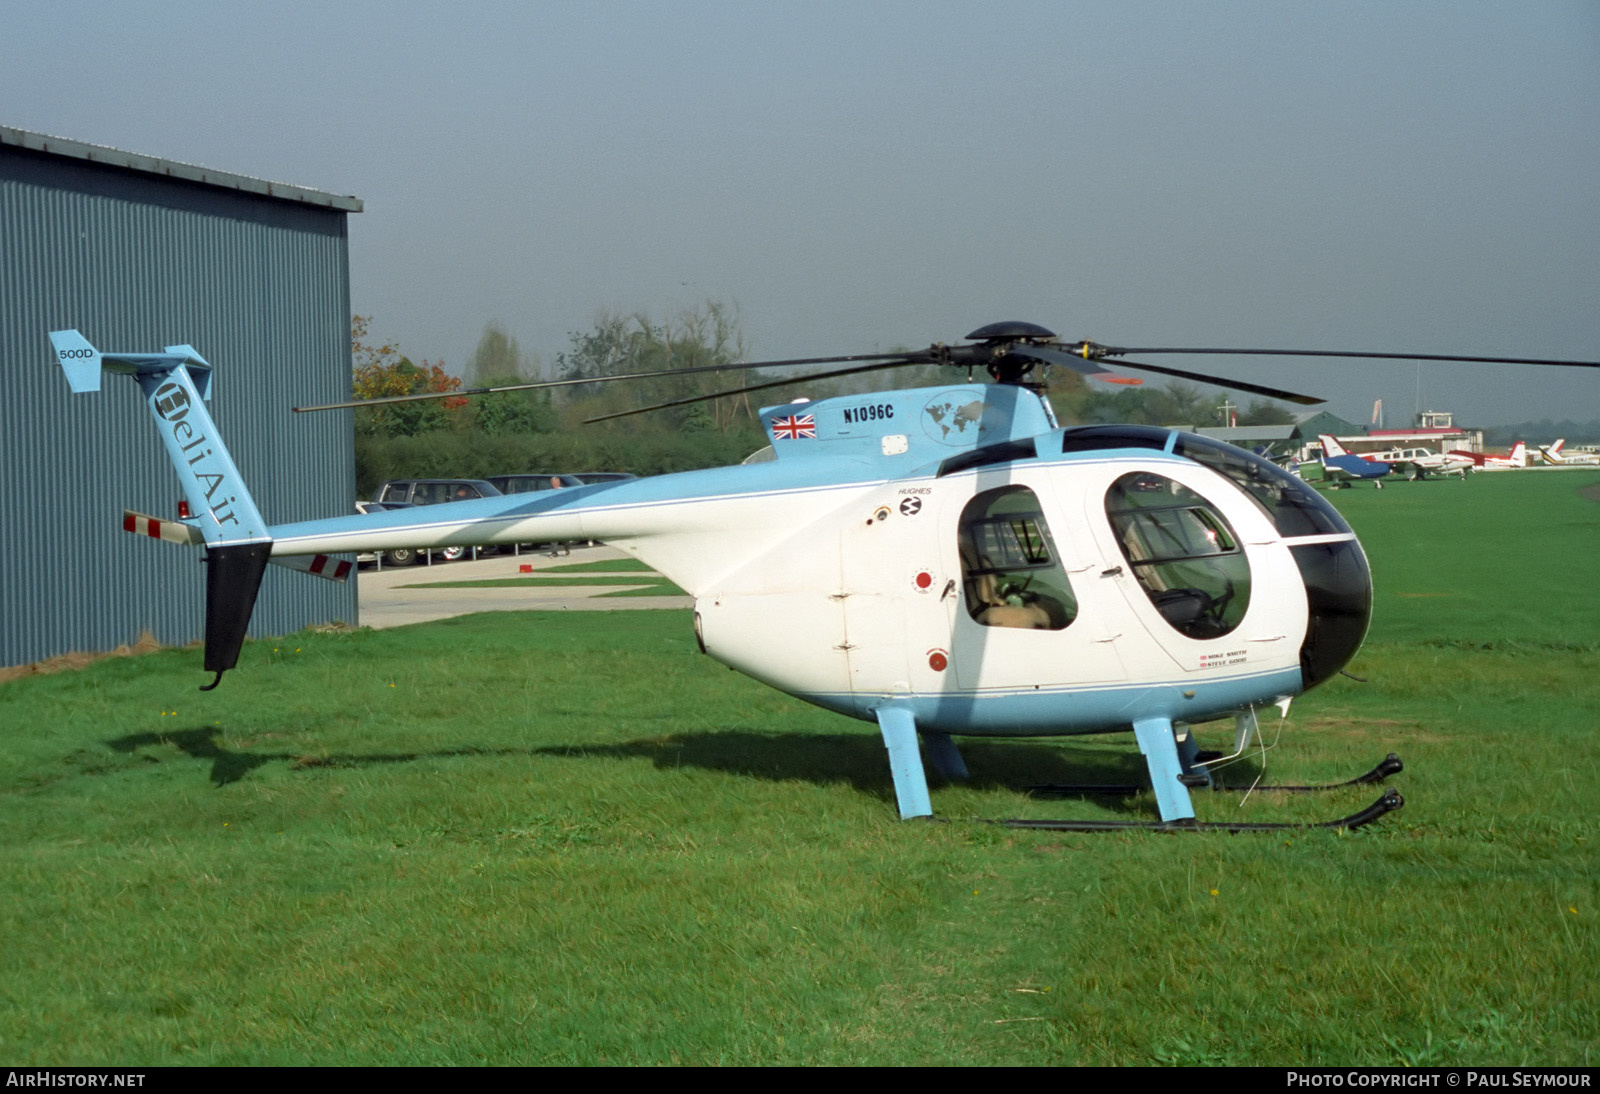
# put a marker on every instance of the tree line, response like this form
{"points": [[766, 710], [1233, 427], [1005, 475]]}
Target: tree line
{"points": [[545, 431]]}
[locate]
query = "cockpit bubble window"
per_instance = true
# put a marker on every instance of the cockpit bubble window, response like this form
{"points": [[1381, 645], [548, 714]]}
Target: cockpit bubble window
{"points": [[1294, 507], [1183, 552], [1010, 569]]}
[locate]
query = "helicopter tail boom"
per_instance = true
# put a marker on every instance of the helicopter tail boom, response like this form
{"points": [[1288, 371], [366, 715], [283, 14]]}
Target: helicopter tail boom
{"points": [[176, 385]]}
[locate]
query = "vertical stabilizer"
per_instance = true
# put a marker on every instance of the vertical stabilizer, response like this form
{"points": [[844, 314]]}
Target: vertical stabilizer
{"points": [[78, 359], [233, 578]]}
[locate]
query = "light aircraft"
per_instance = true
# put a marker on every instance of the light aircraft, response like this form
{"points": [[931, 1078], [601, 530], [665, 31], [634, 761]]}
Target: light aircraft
{"points": [[1340, 466], [943, 561], [1553, 454], [1515, 460], [1422, 462]]}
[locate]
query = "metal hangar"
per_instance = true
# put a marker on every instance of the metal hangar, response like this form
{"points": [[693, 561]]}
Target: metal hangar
{"points": [[140, 253]]}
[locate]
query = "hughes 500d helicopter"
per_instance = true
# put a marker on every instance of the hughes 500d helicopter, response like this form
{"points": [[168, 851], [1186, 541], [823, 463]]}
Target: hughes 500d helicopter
{"points": [[940, 561]]}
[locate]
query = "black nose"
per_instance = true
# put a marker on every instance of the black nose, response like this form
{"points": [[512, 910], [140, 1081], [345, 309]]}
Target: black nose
{"points": [[1339, 594]]}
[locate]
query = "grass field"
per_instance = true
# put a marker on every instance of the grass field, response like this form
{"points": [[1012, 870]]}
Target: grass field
{"points": [[641, 586], [569, 838]]}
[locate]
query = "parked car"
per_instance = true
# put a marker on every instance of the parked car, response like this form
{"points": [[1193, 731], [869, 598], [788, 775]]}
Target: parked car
{"points": [[434, 491], [407, 492], [590, 477], [533, 482]]}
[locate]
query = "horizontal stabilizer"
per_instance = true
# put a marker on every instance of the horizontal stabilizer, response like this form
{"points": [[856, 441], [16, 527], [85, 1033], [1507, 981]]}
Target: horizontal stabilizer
{"points": [[324, 566], [173, 531], [188, 535], [199, 368], [83, 363]]}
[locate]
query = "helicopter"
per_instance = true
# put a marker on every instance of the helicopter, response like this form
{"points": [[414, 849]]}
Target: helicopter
{"points": [[943, 562]]}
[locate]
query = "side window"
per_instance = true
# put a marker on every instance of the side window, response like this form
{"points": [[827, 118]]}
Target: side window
{"points": [[1186, 557], [1010, 570]]}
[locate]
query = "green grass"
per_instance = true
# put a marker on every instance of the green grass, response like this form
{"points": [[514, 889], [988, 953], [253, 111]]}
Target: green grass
{"points": [[570, 838], [658, 587], [661, 588], [532, 580], [611, 566], [1503, 556]]}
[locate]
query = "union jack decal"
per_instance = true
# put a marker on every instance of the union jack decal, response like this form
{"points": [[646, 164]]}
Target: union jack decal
{"points": [[795, 426]]}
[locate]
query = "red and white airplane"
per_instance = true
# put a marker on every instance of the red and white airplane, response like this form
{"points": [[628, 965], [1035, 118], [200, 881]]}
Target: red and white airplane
{"points": [[1514, 460], [1422, 462], [1553, 454]]}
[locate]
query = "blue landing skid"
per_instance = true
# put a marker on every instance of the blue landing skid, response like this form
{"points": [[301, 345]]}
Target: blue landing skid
{"points": [[899, 730], [1160, 750]]}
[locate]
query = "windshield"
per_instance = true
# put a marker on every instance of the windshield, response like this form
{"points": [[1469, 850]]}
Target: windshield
{"points": [[1294, 508]]}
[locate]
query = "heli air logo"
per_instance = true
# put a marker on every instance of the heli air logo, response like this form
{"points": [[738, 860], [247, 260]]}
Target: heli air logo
{"points": [[172, 403]]}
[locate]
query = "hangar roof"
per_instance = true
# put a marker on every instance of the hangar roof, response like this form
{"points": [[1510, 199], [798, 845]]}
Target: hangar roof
{"points": [[1245, 435], [151, 165]]}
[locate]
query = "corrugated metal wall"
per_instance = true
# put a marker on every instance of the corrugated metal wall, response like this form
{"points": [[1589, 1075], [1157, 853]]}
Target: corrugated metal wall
{"points": [[261, 288]]}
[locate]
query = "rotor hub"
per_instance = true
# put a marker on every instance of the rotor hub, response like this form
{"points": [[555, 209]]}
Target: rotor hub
{"points": [[1012, 330], [998, 338]]}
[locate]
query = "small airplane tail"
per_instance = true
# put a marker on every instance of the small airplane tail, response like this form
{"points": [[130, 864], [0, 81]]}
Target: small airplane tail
{"points": [[1518, 456], [176, 384], [1331, 447], [1552, 452]]}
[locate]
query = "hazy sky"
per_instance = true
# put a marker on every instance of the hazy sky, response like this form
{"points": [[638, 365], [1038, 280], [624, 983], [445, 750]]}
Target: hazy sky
{"points": [[1410, 176]]}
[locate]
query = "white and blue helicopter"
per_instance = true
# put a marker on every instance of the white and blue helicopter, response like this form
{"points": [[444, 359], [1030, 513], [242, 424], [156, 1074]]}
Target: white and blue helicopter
{"points": [[943, 562]]}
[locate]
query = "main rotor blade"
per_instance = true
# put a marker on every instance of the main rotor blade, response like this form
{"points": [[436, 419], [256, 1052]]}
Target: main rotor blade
{"points": [[1084, 363], [1053, 356], [1232, 385], [903, 358], [1095, 351], [901, 363]]}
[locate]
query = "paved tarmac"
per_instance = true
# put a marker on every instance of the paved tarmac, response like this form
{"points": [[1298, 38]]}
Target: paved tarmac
{"points": [[398, 595]]}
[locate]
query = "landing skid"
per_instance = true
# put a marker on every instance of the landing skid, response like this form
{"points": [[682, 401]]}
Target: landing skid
{"points": [[1389, 765], [1173, 760], [1390, 801]]}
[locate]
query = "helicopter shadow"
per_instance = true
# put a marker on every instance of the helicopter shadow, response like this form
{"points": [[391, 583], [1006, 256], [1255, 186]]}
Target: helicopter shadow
{"points": [[229, 766], [858, 760]]}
